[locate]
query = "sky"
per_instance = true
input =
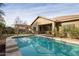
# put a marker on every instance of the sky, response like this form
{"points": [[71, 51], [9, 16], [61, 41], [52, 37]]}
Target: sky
{"points": [[27, 12]]}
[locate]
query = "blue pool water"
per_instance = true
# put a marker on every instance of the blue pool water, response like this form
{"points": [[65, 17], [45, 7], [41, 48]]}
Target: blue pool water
{"points": [[40, 46]]}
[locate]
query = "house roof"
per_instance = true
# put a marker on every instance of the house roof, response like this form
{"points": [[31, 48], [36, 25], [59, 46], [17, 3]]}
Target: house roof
{"points": [[66, 18], [41, 17], [61, 18]]}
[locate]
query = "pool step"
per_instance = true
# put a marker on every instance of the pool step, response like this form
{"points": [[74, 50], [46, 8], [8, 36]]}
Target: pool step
{"points": [[11, 48]]}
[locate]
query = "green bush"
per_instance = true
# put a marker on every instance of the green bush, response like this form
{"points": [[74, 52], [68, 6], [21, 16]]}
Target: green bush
{"points": [[8, 30], [69, 31], [63, 32], [74, 33]]}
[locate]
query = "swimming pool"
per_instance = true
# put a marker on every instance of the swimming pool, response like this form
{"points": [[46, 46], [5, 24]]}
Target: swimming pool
{"points": [[41, 46]]}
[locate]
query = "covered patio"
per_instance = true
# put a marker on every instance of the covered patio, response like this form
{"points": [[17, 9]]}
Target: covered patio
{"points": [[46, 28], [42, 25]]}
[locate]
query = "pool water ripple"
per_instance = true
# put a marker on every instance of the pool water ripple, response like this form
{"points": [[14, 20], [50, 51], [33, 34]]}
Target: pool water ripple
{"points": [[41, 46]]}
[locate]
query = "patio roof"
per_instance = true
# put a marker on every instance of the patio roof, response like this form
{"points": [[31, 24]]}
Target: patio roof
{"points": [[66, 18]]}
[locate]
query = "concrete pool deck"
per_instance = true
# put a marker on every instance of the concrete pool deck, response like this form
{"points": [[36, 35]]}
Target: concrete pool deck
{"points": [[11, 47], [69, 40]]}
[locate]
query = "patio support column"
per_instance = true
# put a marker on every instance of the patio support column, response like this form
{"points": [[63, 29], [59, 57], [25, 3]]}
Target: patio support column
{"points": [[53, 28]]}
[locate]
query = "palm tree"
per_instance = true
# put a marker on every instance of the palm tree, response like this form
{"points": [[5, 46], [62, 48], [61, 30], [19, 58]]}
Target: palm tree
{"points": [[2, 37], [2, 25], [1, 11]]}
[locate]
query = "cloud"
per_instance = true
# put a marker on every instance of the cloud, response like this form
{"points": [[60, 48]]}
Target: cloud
{"points": [[28, 12]]}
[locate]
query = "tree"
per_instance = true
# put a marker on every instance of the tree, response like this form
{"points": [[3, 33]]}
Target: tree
{"points": [[2, 22], [1, 11], [9, 30]]}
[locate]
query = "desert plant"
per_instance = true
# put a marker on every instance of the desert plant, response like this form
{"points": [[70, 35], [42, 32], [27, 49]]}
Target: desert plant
{"points": [[62, 32], [70, 31], [74, 33]]}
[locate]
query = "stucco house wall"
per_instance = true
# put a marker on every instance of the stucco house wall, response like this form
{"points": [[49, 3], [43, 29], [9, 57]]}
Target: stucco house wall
{"points": [[76, 23], [57, 23], [67, 20]]}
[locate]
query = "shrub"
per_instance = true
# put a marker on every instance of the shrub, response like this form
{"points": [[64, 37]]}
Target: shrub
{"points": [[74, 33], [62, 32], [71, 31]]}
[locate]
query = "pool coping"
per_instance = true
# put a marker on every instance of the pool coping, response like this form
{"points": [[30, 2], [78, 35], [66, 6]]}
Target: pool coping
{"points": [[68, 40], [10, 42]]}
